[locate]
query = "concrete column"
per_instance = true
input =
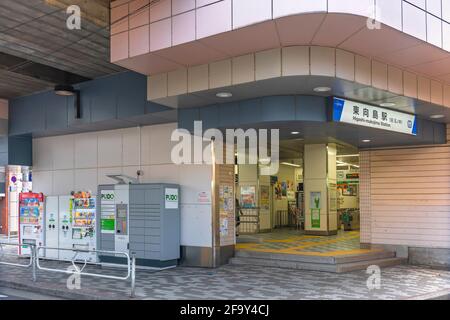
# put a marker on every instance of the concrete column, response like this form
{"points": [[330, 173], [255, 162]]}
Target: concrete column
{"points": [[320, 189]]}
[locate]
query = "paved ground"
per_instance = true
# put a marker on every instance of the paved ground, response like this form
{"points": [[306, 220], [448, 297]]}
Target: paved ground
{"points": [[13, 294], [294, 242], [234, 282]]}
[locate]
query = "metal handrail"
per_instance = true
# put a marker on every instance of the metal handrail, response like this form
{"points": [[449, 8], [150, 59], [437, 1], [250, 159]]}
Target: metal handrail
{"points": [[131, 265], [18, 245]]}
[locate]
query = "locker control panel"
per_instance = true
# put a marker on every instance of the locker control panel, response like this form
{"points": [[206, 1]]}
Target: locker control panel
{"points": [[122, 219]]}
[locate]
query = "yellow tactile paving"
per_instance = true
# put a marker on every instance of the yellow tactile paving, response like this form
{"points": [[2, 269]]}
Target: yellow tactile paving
{"points": [[308, 245]]}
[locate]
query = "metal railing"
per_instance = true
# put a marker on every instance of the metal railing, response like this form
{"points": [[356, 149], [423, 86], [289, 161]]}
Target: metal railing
{"points": [[32, 256], [35, 263], [249, 221]]}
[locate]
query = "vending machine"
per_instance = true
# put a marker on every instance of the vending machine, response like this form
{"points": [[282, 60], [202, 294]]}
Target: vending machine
{"points": [[31, 221], [52, 227], [77, 226]]}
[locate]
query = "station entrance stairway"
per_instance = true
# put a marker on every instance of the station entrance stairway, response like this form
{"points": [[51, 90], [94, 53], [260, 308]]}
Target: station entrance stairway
{"points": [[291, 250]]}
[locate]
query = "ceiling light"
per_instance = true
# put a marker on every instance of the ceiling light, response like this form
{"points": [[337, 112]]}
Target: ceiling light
{"points": [[437, 116], [348, 156], [388, 104], [322, 89], [295, 132], [291, 164], [64, 90], [224, 95], [366, 141]]}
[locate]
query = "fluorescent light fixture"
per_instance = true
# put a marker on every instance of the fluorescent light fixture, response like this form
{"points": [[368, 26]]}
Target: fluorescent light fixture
{"points": [[366, 140], [341, 163], [295, 132], [348, 156], [437, 116], [291, 164], [322, 89], [388, 104], [224, 95]]}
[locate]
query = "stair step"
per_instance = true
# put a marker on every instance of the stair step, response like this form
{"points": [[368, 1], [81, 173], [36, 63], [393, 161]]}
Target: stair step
{"points": [[316, 259], [348, 266], [284, 264], [363, 265]]}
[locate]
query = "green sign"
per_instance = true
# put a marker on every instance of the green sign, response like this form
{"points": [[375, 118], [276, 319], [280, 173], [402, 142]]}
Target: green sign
{"points": [[107, 225], [315, 207]]}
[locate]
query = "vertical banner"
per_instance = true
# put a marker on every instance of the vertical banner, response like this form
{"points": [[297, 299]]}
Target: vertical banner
{"points": [[315, 206]]}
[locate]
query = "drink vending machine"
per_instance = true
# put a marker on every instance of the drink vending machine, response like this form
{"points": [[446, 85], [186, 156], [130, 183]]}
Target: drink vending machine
{"points": [[31, 221], [71, 224]]}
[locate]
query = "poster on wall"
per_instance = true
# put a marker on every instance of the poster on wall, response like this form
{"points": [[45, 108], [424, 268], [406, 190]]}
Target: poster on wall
{"points": [[315, 206], [248, 197], [226, 198], [264, 198], [171, 198]]}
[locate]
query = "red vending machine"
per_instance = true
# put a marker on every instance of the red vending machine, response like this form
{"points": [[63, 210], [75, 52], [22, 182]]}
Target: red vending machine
{"points": [[31, 221]]}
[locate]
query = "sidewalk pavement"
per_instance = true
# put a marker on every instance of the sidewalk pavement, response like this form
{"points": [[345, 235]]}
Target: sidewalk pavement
{"points": [[235, 283]]}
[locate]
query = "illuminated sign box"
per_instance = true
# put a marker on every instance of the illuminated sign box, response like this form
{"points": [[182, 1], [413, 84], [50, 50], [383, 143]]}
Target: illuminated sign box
{"points": [[361, 114]]}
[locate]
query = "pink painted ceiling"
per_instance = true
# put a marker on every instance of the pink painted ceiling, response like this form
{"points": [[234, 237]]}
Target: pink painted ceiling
{"points": [[348, 32]]}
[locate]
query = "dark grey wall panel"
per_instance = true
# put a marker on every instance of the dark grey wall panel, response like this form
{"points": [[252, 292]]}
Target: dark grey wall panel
{"points": [[20, 150], [121, 96]]}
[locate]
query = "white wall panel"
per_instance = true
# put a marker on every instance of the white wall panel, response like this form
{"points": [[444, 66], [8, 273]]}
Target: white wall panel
{"points": [[389, 12], [160, 153], [360, 7], [283, 8], [247, 12], [103, 172], [63, 152], [414, 21], [63, 182], [43, 182], [168, 173], [295, 61], [42, 154], [85, 150], [130, 145], [323, 61], [110, 148], [86, 180]]}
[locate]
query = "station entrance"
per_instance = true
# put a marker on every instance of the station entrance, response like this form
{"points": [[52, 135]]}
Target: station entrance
{"points": [[311, 207]]}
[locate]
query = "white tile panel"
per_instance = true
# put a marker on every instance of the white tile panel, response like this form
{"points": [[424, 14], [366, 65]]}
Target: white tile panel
{"points": [[268, 64], [103, 172], [177, 82], [43, 182], [63, 182], [247, 12], [379, 75], [395, 80], [130, 145], [323, 61], [283, 8], [214, 19], [86, 180], [424, 89], [183, 28], [436, 93], [42, 154], [410, 85], [434, 30], [86, 150], [220, 74], [360, 7], [63, 152], [110, 148], [345, 65], [363, 70], [243, 69], [295, 61], [198, 78], [389, 12], [414, 21]]}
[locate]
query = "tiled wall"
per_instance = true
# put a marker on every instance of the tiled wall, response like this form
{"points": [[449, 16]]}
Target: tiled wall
{"points": [[138, 28], [405, 196], [81, 162], [298, 61]]}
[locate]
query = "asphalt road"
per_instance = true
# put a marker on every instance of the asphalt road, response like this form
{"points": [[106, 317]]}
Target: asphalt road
{"points": [[13, 294]]}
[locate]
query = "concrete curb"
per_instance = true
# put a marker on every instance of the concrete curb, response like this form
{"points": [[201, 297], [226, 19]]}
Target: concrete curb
{"points": [[61, 293], [437, 295]]}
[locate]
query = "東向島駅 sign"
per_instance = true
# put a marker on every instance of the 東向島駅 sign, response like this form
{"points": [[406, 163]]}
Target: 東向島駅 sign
{"points": [[361, 114]]}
